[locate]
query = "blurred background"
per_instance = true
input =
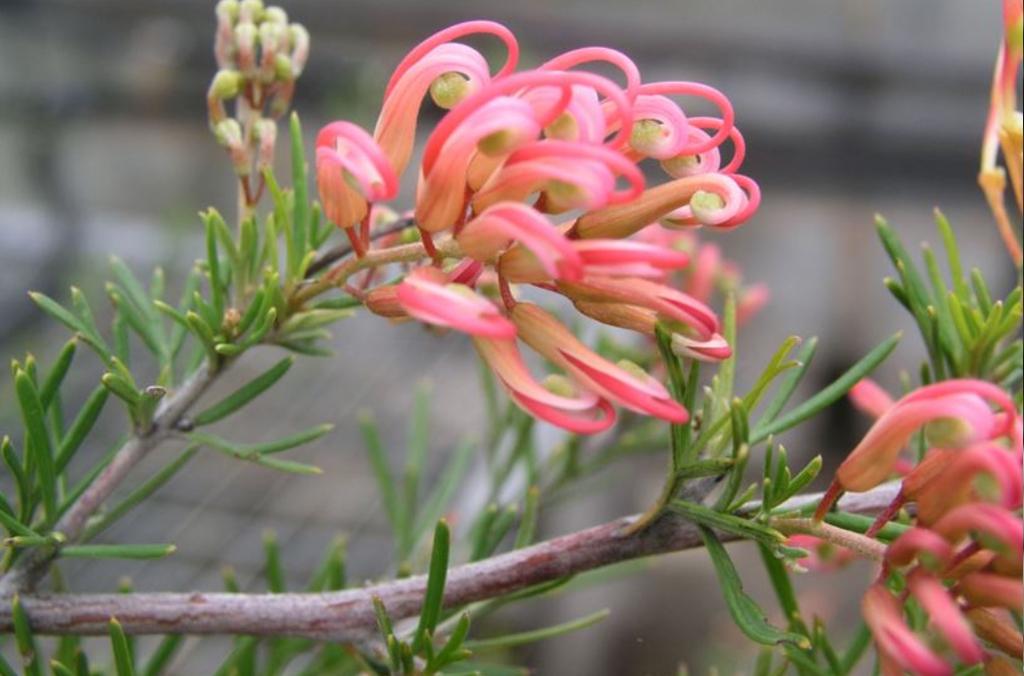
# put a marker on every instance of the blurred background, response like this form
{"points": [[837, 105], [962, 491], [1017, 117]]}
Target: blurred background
{"points": [[849, 107]]}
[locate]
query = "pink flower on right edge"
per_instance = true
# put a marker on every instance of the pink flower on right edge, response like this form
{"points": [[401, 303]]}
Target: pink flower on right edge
{"points": [[961, 561]]}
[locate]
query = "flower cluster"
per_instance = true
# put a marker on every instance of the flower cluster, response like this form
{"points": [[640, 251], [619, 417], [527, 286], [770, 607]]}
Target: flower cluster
{"points": [[259, 56], [535, 177], [961, 561]]}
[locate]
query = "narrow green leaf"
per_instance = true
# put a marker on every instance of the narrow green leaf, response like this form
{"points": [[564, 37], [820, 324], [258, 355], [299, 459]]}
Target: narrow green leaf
{"points": [[80, 427], [535, 635], [272, 563], [38, 440], [952, 249], [73, 323], [300, 216], [56, 375], [434, 507], [26, 642], [58, 669], [117, 551], [257, 308], [213, 263], [828, 395], [447, 654], [123, 661], [381, 469], [331, 574], [528, 524], [290, 442], [433, 599], [745, 528], [162, 656], [14, 526], [858, 646], [745, 612], [245, 394], [150, 486], [417, 444], [289, 466], [21, 481], [778, 576]]}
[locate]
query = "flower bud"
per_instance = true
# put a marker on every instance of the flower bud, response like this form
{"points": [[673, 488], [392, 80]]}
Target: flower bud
{"points": [[275, 15], [250, 11], [245, 46], [448, 89], [225, 84], [300, 48], [266, 134]]}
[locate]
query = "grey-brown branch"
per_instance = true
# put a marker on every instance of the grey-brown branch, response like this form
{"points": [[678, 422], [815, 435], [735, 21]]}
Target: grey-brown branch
{"points": [[31, 567], [348, 617]]}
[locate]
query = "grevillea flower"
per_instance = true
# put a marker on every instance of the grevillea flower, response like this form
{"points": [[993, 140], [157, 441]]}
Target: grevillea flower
{"points": [[598, 257], [669, 303], [559, 401], [954, 414], [822, 555], [511, 149], [505, 223], [897, 644], [868, 396], [568, 176], [623, 383], [945, 616], [449, 71], [985, 472], [428, 295], [351, 173]]}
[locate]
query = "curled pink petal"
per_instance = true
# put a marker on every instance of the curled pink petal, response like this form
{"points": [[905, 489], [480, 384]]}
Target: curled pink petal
{"points": [[352, 172], [584, 413], [919, 543], [895, 640], [997, 526], [704, 91], [427, 295], [868, 396], [628, 258], [945, 616], [715, 348], [506, 223], [669, 302], [636, 391]]}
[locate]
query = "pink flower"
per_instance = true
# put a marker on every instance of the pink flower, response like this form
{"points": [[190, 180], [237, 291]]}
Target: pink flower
{"points": [[986, 472], [507, 223], [992, 590], [923, 545], [821, 554], [869, 397], [450, 71], [944, 615], [897, 643], [561, 403], [669, 303], [996, 528], [568, 175], [624, 384], [351, 172], [600, 257], [427, 295], [956, 413]]}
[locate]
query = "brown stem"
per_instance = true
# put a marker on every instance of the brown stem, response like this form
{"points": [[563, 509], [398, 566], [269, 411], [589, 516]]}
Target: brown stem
{"points": [[348, 617], [855, 542]]}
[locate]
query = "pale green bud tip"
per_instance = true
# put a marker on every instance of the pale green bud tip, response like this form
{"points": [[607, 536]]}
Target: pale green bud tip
{"points": [[564, 128], [680, 165], [948, 433], [1015, 36], [228, 132], [461, 289], [251, 10], [283, 68], [632, 368], [275, 15], [646, 135], [449, 89], [563, 193], [228, 9], [704, 203], [498, 143], [226, 84], [559, 385]]}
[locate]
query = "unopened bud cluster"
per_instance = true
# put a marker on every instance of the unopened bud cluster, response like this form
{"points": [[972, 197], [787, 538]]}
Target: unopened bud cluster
{"points": [[259, 55]]}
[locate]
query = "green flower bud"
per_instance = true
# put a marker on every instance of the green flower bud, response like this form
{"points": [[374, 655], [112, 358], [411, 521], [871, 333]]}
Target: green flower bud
{"points": [[226, 84], [448, 89]]}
